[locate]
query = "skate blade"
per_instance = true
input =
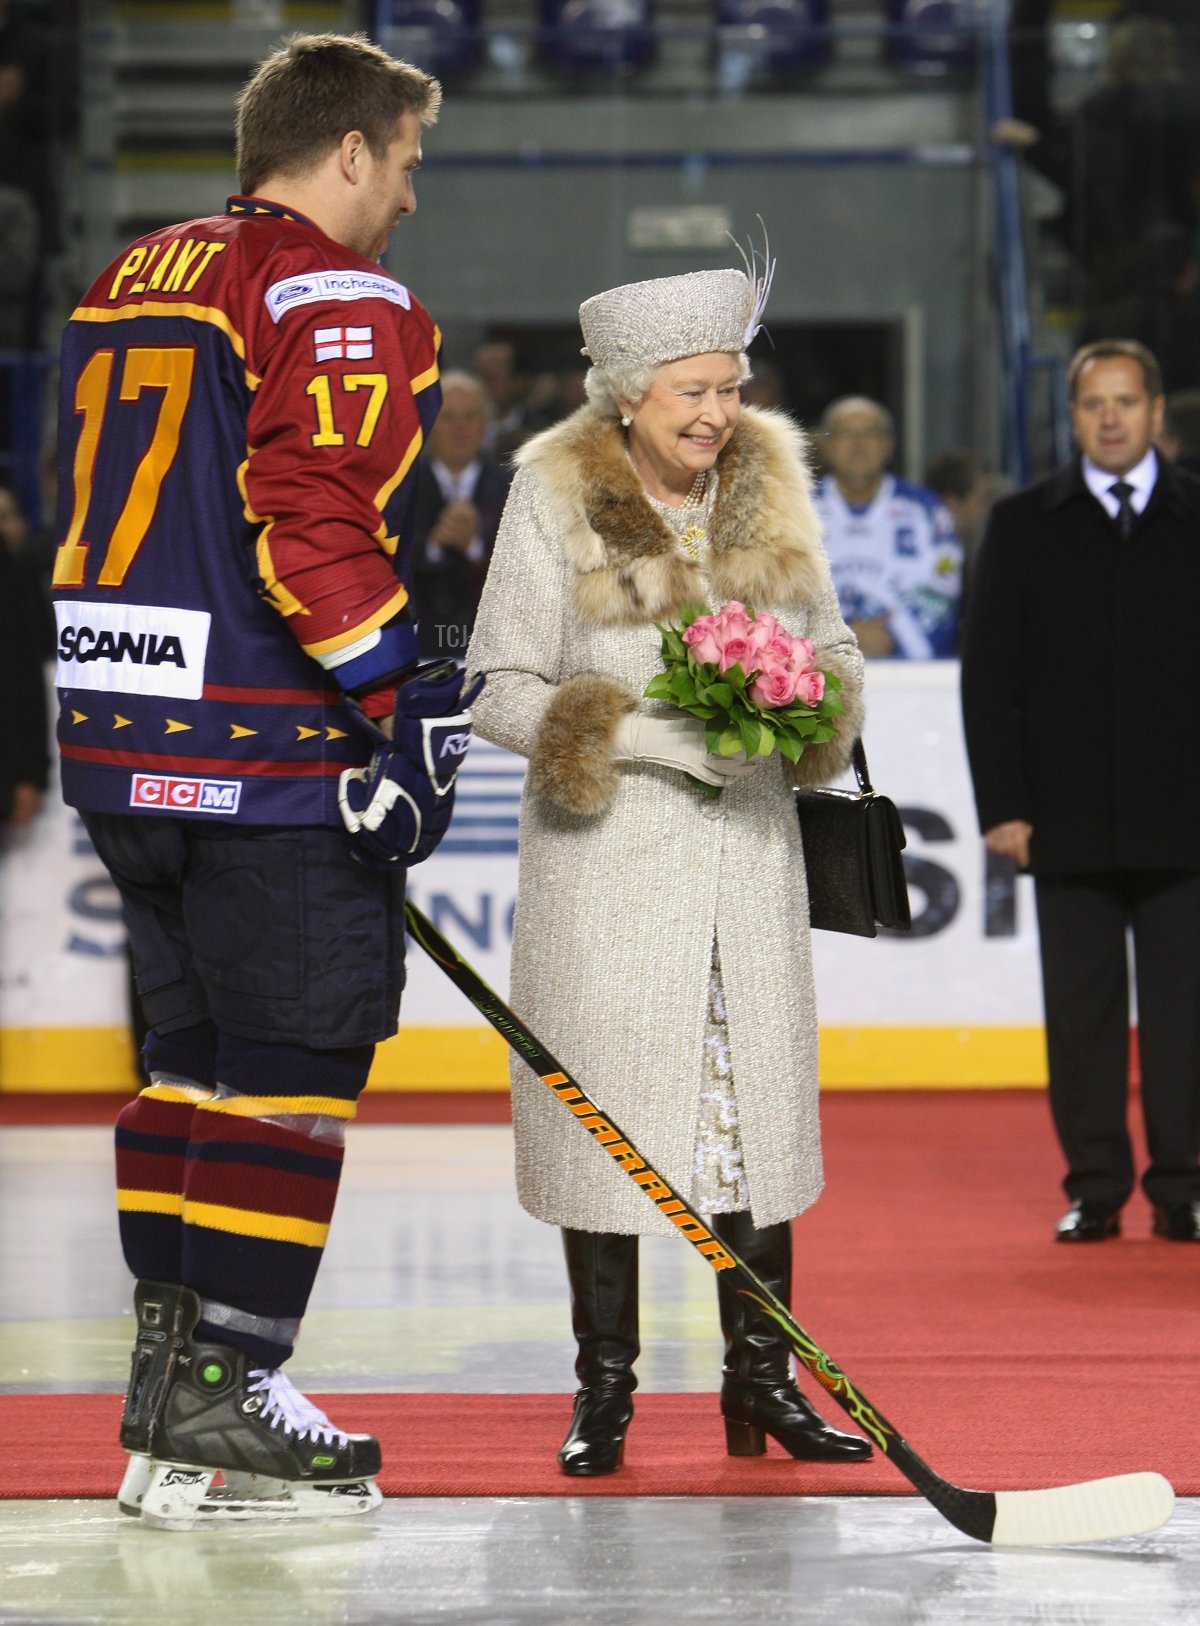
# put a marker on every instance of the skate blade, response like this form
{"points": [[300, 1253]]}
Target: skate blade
{"points": [[139, 1472], [181, 1496]]}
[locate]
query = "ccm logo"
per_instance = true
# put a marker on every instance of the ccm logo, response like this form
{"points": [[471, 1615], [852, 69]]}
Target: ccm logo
{"points": [[173, 794]]}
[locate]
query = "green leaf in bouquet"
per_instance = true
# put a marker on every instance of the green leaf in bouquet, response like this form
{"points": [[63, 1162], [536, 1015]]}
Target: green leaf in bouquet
{"points": [[751, 731], [673, 646], [729, 742], [683, 687], [790, 747], [690, 613], [719, 694], [659, 687]]}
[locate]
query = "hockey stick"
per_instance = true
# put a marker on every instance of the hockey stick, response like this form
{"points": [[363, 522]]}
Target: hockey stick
{"points": [[1095, 1510]]}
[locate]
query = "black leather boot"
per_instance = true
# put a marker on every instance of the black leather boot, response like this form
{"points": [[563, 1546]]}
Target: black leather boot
{"points": [[758, 1393], [603, 1272]]}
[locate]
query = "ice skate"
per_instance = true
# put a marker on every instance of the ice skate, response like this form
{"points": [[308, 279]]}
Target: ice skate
{"points": [[214, 1439], [159, 1306]]}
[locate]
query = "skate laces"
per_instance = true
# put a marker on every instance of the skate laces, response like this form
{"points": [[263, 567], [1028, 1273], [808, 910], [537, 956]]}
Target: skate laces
{"points": [[285, 1404]]}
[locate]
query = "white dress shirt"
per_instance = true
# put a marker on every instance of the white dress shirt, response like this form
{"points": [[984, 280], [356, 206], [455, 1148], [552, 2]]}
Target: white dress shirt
{"points": [[1141, 477]]}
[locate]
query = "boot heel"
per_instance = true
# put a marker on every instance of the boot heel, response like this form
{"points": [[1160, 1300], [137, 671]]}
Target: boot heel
{"points": [[744, 1439]]}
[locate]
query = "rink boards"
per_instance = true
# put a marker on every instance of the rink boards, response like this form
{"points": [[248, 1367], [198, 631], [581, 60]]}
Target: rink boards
{"points": [[954, 1004]]}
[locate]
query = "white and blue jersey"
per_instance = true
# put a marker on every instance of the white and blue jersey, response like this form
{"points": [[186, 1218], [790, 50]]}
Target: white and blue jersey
{"points": [[897, 558]]}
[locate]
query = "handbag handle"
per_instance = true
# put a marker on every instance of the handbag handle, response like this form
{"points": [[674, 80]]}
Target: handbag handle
{"points": [[859, 760]]}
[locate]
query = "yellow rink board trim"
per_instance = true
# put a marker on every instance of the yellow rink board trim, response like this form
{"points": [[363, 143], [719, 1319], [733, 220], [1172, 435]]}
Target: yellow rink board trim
{"points": [[476, 1058]]}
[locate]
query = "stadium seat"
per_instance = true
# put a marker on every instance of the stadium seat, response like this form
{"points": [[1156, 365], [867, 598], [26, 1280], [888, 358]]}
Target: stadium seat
{"points": [[776, 36], [441, 36], [931, 34], [598, 35]]}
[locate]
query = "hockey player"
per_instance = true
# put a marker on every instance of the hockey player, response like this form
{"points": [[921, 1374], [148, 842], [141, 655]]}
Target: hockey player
{"points": [[253, 745], [896, 561]]}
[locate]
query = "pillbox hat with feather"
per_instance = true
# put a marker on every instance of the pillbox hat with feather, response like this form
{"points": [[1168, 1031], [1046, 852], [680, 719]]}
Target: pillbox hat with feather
{"points": [[642, 324]]}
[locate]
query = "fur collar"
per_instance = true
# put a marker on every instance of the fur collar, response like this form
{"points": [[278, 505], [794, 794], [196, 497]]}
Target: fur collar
{"points": [[764, 539]]}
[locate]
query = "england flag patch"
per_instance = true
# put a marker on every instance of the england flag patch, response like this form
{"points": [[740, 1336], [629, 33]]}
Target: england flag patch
{"points": [[343, 343]]}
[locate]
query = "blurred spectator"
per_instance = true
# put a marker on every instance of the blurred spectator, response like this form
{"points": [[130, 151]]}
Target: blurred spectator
{"points": [[1136, 152], [27, 133], [1179, 438], [1161, 309], [895, 558], [765, 386], [16, 542], [1034, 127], [24, 745], [19, 240], [460, 498], [556, 390], [968, 490], [965, 486], [497, 364]]}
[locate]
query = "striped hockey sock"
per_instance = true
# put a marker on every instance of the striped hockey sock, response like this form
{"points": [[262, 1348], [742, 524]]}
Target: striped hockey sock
{"points": [[151, 1147], [258, 1199]]}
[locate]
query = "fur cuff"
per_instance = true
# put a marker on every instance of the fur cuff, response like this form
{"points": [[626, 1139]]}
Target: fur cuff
{"points": [[571, 763], [820, 764]]}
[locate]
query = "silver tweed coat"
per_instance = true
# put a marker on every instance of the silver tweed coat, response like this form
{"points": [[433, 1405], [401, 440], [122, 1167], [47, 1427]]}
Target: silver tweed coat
{"points": [[627, 873]]}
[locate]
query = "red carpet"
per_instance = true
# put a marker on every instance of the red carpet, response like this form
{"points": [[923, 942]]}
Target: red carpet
{"points": [[926, 1270], [988, 1428]]}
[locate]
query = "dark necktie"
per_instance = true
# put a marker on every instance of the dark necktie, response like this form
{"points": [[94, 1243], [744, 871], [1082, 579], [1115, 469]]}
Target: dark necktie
{"points": [[1122, 491]]}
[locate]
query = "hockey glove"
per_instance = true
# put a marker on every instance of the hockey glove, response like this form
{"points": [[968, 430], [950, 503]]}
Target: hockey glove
{"points": [[398, 807]]}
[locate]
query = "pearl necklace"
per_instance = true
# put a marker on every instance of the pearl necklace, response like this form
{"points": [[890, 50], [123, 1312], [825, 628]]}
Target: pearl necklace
{"points": [[692, 533], [695, 497]]}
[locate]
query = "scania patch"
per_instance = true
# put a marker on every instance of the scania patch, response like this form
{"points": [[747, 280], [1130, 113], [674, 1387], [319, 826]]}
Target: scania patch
{"points": [[131, 648]]}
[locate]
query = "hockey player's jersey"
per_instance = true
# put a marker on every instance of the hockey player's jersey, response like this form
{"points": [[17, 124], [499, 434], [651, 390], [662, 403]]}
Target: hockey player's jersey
{"points": [[898, 557], [243, 402]]}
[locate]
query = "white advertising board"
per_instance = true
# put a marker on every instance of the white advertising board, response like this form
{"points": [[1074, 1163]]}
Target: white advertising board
{"points": [[957, 1001]]}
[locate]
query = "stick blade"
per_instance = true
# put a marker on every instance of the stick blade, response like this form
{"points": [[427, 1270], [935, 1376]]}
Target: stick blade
{"points": [[1096, 1510]]}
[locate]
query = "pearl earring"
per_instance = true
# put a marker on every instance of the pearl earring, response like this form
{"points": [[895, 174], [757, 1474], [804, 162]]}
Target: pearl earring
{"points": [[625, 422]]}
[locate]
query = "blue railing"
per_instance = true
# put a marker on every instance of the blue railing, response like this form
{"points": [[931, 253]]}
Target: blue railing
{"points": [[1019, 360]]}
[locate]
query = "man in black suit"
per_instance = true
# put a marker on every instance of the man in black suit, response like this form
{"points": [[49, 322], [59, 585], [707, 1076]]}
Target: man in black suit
{"points": [[1081, 690], [460, 498]]}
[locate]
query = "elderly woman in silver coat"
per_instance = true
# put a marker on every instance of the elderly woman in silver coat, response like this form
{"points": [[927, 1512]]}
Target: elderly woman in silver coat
{"points": [[661, 944]]}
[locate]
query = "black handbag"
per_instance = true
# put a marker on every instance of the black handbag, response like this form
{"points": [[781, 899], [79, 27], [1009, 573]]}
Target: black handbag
{"points": [[852, 847]]}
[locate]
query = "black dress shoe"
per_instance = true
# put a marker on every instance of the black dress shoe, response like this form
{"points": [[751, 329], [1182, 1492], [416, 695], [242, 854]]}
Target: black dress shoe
{"points": [[1088, 1222], [1178, 1222]]}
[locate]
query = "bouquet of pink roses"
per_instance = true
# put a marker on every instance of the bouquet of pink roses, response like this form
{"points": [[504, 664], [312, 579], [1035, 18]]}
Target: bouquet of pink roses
{"points": [[756, 687]]}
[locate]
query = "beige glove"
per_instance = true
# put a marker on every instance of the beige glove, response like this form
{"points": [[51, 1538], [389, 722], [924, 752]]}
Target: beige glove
{"points": [[677, 742]]}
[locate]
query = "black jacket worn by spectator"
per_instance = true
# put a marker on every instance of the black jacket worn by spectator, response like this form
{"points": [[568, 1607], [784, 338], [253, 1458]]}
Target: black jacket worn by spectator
{"points": [[1081, 682], [24, 744], [445, 583]]}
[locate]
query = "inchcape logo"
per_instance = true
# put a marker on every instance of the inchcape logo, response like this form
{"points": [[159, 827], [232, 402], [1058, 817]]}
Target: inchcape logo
{"points": [[171, 793], [323, 285], [131, 648]]}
